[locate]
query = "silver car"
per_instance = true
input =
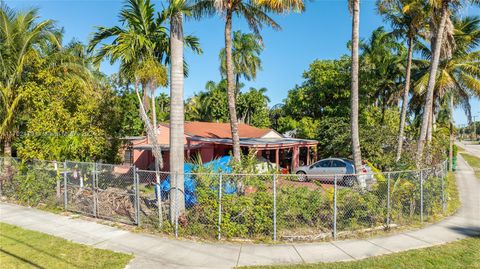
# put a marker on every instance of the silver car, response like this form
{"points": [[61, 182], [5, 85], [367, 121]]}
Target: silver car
{"points": [[327, 169]]}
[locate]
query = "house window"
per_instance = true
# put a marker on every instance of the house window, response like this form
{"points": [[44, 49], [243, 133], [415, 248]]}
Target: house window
{"points": [[128, 156]]}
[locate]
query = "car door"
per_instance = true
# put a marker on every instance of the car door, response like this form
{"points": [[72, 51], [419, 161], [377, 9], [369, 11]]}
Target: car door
{"points": [[320, 167], [339, 167]]}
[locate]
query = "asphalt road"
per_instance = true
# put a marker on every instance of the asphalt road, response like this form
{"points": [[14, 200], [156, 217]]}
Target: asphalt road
{"points": [[473, 149]]}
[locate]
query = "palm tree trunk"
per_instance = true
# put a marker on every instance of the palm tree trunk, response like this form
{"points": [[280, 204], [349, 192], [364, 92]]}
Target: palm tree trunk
{"points": [[431, 81], [151, 134], [403, 115], [177, 116], [231, 88], [156, 150], [7, 147], [157, 161], [237, 85], [430, 127], [145, 97], [450, 148], [357, 157], [154, 108]]}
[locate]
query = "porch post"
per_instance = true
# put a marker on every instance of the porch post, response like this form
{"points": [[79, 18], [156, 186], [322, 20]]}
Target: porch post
{"points": [[308, 155], [295, 157], [188, 149], [277, 157]]}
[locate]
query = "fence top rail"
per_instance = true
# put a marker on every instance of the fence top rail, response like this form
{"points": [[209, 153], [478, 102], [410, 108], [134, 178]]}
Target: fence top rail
{"points": [[381, 173]]}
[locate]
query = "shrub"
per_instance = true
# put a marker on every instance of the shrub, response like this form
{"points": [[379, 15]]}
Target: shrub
{"points": [[32, 186]]}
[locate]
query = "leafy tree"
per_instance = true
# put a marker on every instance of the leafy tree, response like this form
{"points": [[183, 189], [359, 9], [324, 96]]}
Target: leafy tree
{"points": [[253, 107], [324, 92], [65, 116], [211, 105], [23, 37], [127, 107], [163, 107]]}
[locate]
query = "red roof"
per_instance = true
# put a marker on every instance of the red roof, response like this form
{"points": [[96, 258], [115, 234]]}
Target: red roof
{"points": [[222, 130]]}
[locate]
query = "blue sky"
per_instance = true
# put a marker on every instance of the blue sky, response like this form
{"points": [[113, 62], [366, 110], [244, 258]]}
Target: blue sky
{"points": [[320, 33]]}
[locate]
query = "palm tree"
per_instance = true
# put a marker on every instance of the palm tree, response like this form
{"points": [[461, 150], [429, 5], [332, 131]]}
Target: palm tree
{"points": [[436, 45], [22, 39], [255, 13], [141, 35], [246, 57], [384, 56], [253, 103], [144, 37], [354, 6], [407, 18], [209, 105], [138, 46], [458, 76], [175, 12]]}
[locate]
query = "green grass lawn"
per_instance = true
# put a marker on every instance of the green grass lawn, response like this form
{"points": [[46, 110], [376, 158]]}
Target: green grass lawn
{"points": [[20, 248], [464, 254], [473, 161]]}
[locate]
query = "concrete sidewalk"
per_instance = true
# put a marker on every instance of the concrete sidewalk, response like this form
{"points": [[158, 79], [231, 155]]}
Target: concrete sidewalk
{"points": [[158, 252]]}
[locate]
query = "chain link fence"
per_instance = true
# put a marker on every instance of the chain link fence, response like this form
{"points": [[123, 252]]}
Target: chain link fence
{"points": [[215, 206]]}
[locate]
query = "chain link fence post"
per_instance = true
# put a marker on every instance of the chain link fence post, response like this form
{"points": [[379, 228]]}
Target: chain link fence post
{"points": [[335, 208], [274, 207], [176, 204], [65, 188], [94, 189], [444, 205], [137, 195], [220, 206], [58, 189], [421, 196], [159, 198], [388, 200]]}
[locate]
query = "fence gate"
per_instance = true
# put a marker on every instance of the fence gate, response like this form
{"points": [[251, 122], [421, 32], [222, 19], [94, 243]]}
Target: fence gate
{"points": [[78, 182], [114, 193]]}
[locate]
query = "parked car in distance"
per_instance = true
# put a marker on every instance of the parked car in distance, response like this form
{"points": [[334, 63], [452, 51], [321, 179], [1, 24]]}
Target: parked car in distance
{"points": [[327, 169]]}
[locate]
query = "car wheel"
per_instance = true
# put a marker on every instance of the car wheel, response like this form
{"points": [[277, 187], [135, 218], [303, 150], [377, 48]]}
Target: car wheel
{"points": [[301, 176], [349, 181]]}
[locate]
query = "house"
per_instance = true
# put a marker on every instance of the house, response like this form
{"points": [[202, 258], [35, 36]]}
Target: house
{"points": [[210, 140]]}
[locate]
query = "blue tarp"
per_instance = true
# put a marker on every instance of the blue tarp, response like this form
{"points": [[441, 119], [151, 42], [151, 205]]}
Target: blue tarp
{"points": [[220, 165]]}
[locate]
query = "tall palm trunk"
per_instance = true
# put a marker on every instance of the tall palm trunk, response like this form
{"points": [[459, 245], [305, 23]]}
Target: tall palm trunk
{"points": [[431, 81], [357, 157], [7, 147], [154, 108], [430, 125], [177, 117], [151, 134], [157, 161], [231, 87], [403, 115]]}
